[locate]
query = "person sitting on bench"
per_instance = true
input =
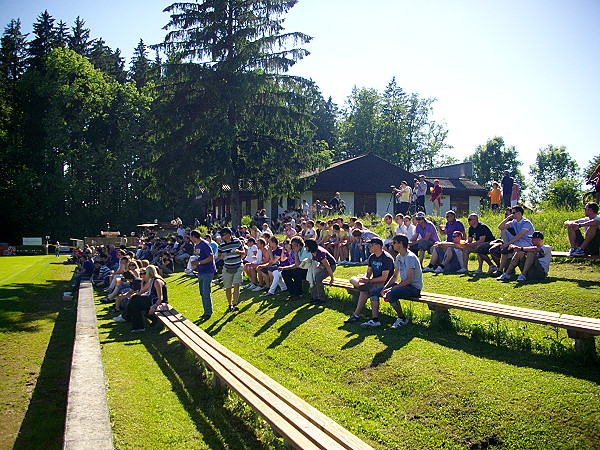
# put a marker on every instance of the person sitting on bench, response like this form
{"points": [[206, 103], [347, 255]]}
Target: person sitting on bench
{"points": [[587, 243], [380, 269], [534, 260], [447, 257], [408, 268]]}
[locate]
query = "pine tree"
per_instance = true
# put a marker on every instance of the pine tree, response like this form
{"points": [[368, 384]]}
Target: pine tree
{"points": [[44, 41], [13, 52], [235, 118], [79, 41], [61, 34], [140, 66]]}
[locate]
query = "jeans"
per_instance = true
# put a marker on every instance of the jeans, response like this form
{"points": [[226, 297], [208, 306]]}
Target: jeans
{"points": [[293, 280], [396, 293], [137, 307], [318, 290], [204, 284], [357, 253]]}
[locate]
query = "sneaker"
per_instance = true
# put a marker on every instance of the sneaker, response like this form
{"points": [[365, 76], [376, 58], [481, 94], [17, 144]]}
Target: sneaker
{"points": [[478, 272], [578, 252], [352, 319], [521, 277], [439, 269], [139, 330], [371, 324], [428, 269], [492, 270], [503, 277], [258, 288], [400, 322], [250, 286], [571, 250], [188, 271], [463, 270], [119, 319], [233, 308]]}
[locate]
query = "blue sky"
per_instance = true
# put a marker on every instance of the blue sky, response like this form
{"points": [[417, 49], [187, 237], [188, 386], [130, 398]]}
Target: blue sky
{"points": [[526, 70]]}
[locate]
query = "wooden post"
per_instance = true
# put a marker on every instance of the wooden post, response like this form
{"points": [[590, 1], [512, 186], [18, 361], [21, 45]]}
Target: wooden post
{"points": [[585, 345], [440, 315]]}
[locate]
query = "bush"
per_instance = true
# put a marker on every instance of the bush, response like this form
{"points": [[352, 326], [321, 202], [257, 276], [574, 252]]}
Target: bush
{"points": [[562, 194]]}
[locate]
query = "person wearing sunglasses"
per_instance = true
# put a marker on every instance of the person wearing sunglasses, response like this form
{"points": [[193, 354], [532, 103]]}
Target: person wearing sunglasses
{"points": [[425, 236]]}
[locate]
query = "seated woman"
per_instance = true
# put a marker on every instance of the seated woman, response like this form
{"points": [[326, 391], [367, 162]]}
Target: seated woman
{"points": [[147, 302], [326, 267], [292, 273]]}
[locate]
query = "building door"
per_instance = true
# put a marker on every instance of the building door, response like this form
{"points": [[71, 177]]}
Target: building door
{"points": [[364, 203]]}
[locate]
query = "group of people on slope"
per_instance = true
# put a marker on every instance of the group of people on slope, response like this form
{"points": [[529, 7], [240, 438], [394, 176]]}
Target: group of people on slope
{"points": [[415, 195]]}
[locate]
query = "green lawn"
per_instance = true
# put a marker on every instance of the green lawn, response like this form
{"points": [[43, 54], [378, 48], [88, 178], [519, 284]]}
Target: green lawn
{"points": [[486, 383], [417, 387], [36, 341]]}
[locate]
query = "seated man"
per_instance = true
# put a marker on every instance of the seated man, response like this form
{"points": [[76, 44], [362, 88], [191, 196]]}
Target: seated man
{"points": [[408, 268], [450, 254], [589, 242], [452, 225], [380, 269], [534, 261], [479, 242], [425, 236], [523, 229]]}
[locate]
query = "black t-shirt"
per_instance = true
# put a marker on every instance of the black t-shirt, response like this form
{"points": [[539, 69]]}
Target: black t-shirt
{"points": [[381, 263], [481, 230], [507, 184]]}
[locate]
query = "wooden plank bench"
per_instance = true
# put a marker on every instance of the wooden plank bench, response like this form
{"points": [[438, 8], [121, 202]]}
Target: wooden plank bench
{"points": [[566, 255], [298, 423], [581, 329]]}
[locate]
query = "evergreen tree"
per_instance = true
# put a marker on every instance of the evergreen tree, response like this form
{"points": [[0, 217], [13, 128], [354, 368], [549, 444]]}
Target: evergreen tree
{"points": [[44, 40], [79, 40], [61, 34], [109, 62], [140, 66], [13, 52], [233, 117]]}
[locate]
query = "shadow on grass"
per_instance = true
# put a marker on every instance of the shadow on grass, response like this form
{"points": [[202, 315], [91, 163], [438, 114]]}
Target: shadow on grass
{"points": [[445, 334], [218, 425], [44, 422]]}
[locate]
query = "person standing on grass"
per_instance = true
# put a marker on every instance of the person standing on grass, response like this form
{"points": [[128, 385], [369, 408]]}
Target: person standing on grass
{"points": [[507, 184], [206, 268], [380, 269], [406, 267], [231, 252], [495, 196]]}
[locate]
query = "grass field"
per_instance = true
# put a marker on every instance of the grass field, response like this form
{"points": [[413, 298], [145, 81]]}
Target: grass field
{"points": [[484, 383], [36, 341]]}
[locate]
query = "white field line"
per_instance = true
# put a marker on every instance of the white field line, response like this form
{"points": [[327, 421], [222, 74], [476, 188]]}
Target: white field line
{"points": [[20, 271]]}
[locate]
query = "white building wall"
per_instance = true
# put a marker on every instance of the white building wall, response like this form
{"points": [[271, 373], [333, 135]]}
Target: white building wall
{"points": [[348, 198], [383, 200], [474, 204], [446, 201]]}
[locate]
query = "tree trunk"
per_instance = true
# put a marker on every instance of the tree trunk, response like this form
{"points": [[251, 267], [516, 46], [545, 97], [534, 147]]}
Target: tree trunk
{"points": [[236, 213]]}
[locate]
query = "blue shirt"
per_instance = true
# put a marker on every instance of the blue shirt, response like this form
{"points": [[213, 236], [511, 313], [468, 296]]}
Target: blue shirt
{"points": [[202, 250]]}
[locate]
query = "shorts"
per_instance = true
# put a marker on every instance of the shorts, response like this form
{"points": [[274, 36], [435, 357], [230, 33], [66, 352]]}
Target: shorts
{"points": [[368, 287], [423, 245], [484, 248], [593, 247], [495, 206], [229, 279], [536, 272]]}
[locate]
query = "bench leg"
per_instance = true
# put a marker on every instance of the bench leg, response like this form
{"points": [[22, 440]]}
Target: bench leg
{"points": [[585, 345], [354, 293], [439, 315]]}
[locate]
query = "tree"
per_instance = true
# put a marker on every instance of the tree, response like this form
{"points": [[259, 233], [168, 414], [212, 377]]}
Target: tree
{"points": [[230, 112], [140, 66], [589, 170], [551, 164], [79, 40], [492, 159], [61, 33], [563, 193], [394, 125], [44, 41], [107, 60], [13, 52]]}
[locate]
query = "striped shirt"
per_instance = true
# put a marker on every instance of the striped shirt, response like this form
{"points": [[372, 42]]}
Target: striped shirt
{"points": [[232, 259]]}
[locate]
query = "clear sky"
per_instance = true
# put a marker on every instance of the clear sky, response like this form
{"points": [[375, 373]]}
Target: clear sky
{"points": [[527, 70]]}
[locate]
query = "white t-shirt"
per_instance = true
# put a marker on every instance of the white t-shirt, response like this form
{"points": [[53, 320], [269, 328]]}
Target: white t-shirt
{"points": [[251, 254], [409, 261], [408, 231], [310, 233], [544, 257], [586, 219]]}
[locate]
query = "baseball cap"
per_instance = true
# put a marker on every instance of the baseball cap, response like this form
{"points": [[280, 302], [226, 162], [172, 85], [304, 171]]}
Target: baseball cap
{"points": [[375, 240], [420, 215], [537, 234]]}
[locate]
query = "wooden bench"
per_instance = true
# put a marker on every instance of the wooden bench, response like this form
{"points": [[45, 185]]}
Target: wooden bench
{"points": [[299, 424], [566, 255], [581, 329]]}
